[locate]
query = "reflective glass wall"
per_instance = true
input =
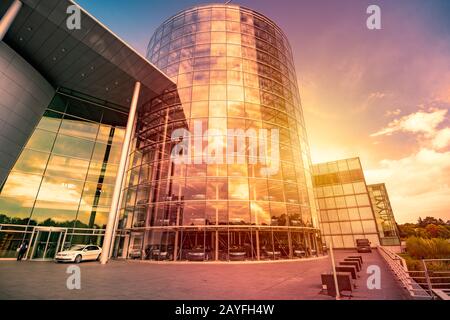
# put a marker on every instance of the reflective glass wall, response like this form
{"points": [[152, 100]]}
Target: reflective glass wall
{"points": [[389, 233], [65, 175], [343, 199], [234, 72]]}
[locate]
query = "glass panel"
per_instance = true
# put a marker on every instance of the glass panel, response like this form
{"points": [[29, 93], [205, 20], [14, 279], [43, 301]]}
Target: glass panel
{"points": [[216, 212], [194, 214], [67, 167], [260, 213], [73, 147], [357, 227], [369, 226], [74, 127], [238, 213], [50, 121], [41, 140], [31, 162], [238, 189], [363, 200], [18, 195]]}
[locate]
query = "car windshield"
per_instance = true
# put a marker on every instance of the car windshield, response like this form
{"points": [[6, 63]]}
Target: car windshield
{"points": [[76, 248]]}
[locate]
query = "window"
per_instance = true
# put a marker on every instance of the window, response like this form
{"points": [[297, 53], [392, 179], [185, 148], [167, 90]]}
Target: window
{"points": [[41, 140], [356, 227], [366, 213], [238, 189], [219, 50], [217, 189], [195, 189], [369, 226], [218, 25], [200, 93], [218, 92], [199, 109], [218, 37], [234, 37], [235, 93], [31, 161], [218, 109], [233, 50], [346, 227], [194, 214], [73, 147], [238, 213], [351, 201], [360, 187], [201, 78], [362, 200], [59, 166], [252, 95], [260, 213]]}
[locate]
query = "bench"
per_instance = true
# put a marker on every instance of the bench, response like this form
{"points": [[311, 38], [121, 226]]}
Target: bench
{"points": [[354, 260], [351, 263], [344, 283], [350, 269], [358, 257]]}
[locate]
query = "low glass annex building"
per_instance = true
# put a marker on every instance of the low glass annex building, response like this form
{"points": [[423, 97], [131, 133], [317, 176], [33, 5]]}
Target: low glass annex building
{"points": [[196, 152], [66, 99], [350, 209]]}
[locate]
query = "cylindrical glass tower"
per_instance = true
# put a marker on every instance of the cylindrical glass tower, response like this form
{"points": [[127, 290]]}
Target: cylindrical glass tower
{"points": [[236, 83]]}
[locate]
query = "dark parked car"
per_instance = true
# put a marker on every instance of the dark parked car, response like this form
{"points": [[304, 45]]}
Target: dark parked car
{"points": [[237, 253], [135, 254], [299, 252], [272, 253], [363, 245], [198, 254], [160, 253]]}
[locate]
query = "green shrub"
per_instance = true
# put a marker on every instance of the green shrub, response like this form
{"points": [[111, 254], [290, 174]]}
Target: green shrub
{"points": [[436, 248]]}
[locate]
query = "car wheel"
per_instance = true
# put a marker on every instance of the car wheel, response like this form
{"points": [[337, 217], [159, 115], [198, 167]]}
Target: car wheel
{"points": [[78, 258], [98, 258]]}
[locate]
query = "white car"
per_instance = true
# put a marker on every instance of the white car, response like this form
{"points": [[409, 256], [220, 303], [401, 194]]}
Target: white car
{"points": [[79, 253]]}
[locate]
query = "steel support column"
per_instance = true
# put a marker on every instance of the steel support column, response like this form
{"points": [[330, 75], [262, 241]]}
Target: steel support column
{"points": [[110, 227], [8, 18]]}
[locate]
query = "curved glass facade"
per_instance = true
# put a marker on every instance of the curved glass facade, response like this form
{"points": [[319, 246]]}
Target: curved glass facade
{"points": [[243, 190]]}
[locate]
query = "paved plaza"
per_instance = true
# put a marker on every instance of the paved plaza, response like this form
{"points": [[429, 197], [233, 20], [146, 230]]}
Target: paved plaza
{"points": [[190, 281]]}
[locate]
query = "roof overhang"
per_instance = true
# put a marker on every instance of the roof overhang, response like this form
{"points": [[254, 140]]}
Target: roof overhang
{"points": [[91, 60]]}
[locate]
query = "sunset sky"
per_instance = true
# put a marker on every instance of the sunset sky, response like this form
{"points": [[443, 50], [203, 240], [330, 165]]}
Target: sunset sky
{"points": [[382, 95]]}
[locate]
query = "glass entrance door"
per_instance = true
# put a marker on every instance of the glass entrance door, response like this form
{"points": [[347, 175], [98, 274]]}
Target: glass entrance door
{"points": [[45, 243]]}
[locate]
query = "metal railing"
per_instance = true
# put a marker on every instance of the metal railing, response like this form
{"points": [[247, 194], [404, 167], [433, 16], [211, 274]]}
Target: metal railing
{"points": [[398, 266], [435, 276], [442, 294]]}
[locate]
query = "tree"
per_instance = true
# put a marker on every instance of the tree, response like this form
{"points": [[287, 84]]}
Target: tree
{"points": [[4, 219], [439, 231], [407, 230], [429, 220]]}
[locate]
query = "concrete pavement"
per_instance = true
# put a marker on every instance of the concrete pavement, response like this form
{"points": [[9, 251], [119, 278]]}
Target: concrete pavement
{"points": [[177, 281]]}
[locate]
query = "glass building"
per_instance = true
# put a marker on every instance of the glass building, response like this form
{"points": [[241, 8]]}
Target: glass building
{"points": [[235, 76], [346, 212], [196, 152], [65, 175], [387, 227]]}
